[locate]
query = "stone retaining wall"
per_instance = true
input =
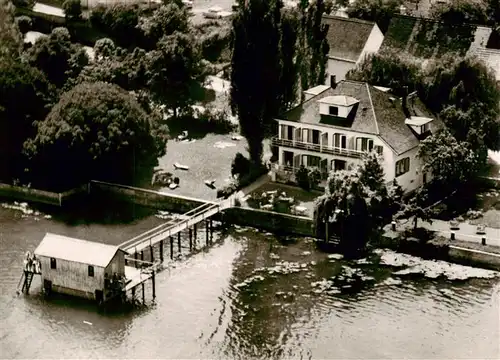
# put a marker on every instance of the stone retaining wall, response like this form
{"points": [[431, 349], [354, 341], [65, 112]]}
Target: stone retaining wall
{"points": [[41, 196], [269, 221], [145, 197]]}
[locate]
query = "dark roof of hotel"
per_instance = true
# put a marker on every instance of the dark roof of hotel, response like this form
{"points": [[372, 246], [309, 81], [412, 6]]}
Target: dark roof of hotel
{"points": [[347, 37], [428, 38], [378, 113]]}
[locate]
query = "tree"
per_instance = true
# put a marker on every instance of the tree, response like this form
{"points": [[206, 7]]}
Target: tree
{"points": [[416, 208], [25, 94], [175, 72], [312, 45], [52, 55], [72, 10], [378, 11], [355, 204], [164, 22], [255, 71], [450, 162], [466, 93], [288, 48], [96, 131], [460, 12], [317, 42], [388, 69], [112, 65], [119, 21], [240, 166], [11, 40]]}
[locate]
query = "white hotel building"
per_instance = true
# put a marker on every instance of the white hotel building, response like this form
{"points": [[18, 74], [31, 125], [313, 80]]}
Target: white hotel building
{"points": [[334, 126]]}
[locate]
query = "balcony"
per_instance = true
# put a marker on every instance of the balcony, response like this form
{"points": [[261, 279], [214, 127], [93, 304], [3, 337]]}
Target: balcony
{"points": [[293, 170], [330, 150]]}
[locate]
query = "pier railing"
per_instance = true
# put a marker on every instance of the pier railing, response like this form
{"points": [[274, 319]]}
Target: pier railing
{"points": [[174, 226]]}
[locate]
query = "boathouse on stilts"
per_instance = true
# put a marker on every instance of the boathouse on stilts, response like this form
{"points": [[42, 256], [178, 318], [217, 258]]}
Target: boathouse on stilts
{"points": [[81, 268]]}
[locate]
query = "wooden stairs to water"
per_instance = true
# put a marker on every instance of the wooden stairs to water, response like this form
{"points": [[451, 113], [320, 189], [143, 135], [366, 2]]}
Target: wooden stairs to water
{"points": [[26, 280]]}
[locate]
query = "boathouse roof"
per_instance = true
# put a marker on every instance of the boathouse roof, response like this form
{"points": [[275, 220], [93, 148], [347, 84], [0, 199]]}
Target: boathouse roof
{"points": [[76, 250]]}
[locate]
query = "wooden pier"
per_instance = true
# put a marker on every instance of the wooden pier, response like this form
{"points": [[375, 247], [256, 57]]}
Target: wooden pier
{"points": [[146, 252], [115, 271]]}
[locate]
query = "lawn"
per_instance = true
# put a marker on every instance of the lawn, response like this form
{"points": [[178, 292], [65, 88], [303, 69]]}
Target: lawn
{"points": [[300, 198], [208, 158]]}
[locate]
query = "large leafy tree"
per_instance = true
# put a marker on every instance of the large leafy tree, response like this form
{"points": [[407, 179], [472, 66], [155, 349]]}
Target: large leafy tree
{"points": [[11, 40], [378, 11], [96, 131], [120, 22], [164, 21], [388, 69], [25, 95], [57, 57], [255, 71], [116, 66], [460, 12], [175, 72], [356, 204], [467, 94], [451, 163]]}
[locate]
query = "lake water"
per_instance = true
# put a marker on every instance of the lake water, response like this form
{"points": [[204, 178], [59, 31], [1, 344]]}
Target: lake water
{"points": [[251, 297]]}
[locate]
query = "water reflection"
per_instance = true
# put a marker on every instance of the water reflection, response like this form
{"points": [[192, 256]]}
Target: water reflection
{"points": [[251, 297]]}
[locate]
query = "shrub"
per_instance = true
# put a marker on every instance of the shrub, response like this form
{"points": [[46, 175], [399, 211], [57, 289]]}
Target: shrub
{"points": [[302, 178], [24, 3], [24, 23], [306, 178], [240, 166], [314, 177], [72, 9]]}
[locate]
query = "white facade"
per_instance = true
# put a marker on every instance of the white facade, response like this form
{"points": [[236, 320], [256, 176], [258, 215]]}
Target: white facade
{"points": [[333, 149]]}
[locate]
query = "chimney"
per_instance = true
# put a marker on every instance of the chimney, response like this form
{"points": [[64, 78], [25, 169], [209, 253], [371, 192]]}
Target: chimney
{"points": [[333, 81], [405, 102]]}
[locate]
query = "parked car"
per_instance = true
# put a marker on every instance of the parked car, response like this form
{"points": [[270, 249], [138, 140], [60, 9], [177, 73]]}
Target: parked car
{"points": [[481, 229]]}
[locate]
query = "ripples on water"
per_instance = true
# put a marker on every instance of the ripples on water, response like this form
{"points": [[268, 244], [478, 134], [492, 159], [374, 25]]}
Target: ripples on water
{"points": [[251, 297]]}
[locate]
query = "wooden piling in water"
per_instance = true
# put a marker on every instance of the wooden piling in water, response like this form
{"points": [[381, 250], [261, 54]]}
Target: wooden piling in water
{"points": [[143, 296], [153, 284], [142, 255], [211, 231], [161, 250], [171, 247], [206, 232], [179, 241], [190, 239], [135, 257]]}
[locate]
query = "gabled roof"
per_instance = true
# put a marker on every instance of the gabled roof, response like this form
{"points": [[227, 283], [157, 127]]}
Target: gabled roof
{"points": [[428, 38], [347, 37], [378, 113], [76, 250]]}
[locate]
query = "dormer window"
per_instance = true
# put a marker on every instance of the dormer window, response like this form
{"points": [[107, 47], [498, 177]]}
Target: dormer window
{"points": [[419, 124], [338, 106], [333, 110]]}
